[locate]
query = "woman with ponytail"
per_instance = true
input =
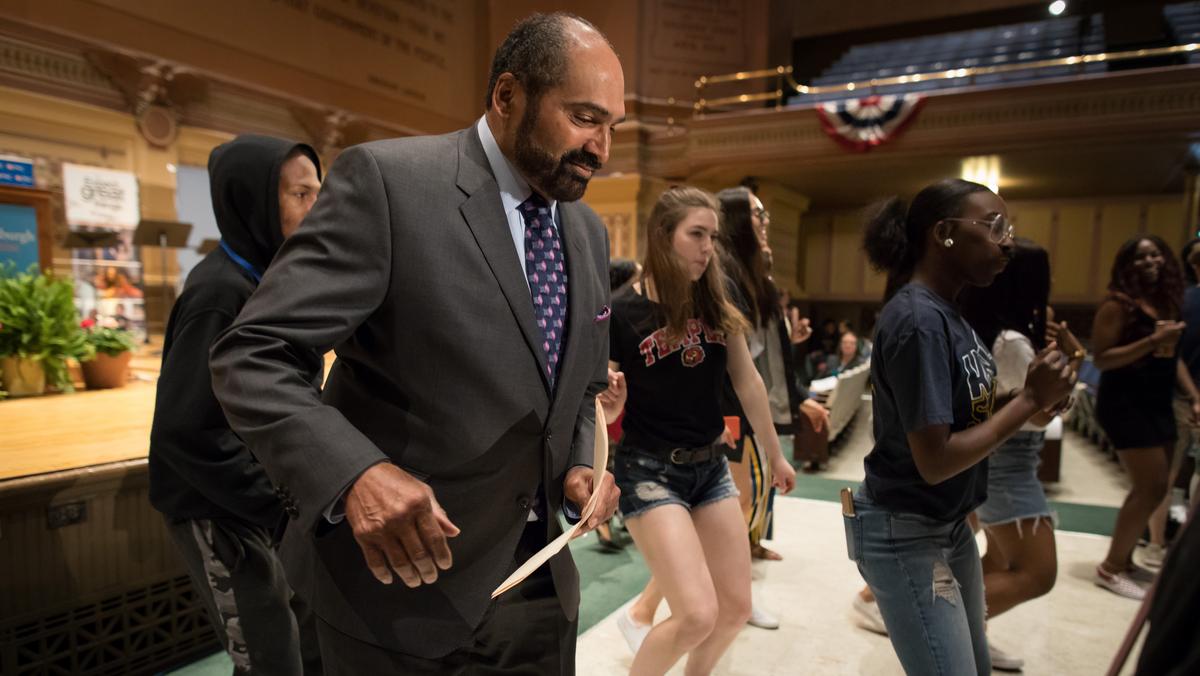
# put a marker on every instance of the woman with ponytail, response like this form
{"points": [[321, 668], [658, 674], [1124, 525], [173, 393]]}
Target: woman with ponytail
{"points": [[936, 421]]}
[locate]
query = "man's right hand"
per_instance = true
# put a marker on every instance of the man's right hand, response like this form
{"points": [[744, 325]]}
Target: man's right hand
{"points": [[399, 525]]}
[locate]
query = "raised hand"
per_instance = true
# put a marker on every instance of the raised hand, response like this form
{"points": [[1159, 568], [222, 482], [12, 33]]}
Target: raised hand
{"points": [[1050, 378], [801, 328], [613, 399]]}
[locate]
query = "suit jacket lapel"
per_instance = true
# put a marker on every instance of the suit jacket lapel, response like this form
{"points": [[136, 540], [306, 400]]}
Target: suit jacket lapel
{"points": [[484, 213]]}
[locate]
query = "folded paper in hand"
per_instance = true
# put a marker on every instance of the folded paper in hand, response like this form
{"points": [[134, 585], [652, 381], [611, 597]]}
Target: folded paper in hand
{"points": [[599, 466]]}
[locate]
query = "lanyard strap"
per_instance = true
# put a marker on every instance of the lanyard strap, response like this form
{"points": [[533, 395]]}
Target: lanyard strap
{"points": [[245, 264]]}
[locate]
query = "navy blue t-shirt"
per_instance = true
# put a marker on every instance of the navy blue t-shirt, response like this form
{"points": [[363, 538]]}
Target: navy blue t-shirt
{"points": [[929, 368]]}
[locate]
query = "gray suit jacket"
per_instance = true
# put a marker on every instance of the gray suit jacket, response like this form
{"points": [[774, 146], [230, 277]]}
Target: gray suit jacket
{"points": [[406, 266]]}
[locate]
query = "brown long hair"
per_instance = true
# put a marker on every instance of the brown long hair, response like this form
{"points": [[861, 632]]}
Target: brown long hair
{"points": [[743, 258], [679, 298]]}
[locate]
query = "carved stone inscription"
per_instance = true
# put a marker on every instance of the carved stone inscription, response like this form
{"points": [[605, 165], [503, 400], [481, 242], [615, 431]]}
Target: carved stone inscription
{"points": [[408, 50], [689, 38]]}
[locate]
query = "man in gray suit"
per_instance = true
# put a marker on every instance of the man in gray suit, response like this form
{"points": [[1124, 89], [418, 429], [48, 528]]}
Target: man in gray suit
{"points": [[465, 292]]}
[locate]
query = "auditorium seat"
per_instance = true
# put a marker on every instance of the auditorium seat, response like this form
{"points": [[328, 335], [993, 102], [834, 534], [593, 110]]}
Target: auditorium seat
{"points": [[842, 395], [1059, 37], [1183, 19]]}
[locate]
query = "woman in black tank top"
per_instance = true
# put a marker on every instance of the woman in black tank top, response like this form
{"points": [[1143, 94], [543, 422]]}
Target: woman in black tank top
{"points": [[1135, 337]]}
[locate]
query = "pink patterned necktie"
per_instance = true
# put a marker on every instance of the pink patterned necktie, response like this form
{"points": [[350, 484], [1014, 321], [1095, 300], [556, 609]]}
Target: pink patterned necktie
{"points": [[547, 274]]}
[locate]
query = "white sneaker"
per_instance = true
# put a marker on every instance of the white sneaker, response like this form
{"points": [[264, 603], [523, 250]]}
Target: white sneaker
{"points": [[633, 632], [1152, 556], [1179, 513], [762, 619], [867, 616], [1002, 661], [1120, 584]]}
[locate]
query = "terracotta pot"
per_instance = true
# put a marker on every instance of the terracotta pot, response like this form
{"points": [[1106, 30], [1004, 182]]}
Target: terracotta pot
{"points": [[23, 377], [105, 372]]}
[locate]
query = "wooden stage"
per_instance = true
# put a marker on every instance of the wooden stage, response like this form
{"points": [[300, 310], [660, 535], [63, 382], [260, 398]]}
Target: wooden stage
{"points": [[90, 582], [61, 432]]}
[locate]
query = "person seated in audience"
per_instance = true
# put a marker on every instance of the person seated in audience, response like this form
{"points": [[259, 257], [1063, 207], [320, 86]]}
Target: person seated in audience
{"points": [[1135, 337], [848, 356]]}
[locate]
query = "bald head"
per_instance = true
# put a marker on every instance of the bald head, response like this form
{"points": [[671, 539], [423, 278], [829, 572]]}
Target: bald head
{"points": [[538, 49]]}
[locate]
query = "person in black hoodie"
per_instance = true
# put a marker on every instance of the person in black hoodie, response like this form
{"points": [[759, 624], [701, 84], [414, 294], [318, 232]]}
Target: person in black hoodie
{"points": [[219, 504]]}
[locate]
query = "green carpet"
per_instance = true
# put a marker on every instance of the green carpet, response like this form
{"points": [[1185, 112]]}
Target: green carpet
{"points": [[609, 579], [1073, 517]]}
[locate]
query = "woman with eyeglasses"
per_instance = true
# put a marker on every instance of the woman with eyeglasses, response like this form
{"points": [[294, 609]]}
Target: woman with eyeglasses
{"points": [[935, 390], [1135, 337]]}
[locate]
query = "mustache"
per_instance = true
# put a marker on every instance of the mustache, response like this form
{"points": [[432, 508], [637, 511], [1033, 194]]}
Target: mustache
{"points": [[582, 157]]}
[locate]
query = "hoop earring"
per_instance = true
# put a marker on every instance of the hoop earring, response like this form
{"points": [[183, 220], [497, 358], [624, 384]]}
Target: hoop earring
{"points": [[948, 243]]}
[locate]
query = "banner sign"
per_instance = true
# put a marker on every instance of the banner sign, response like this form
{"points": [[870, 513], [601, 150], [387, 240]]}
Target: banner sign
{"points": [[18, 236], [101, 197], [16, 171], [862, 124]]}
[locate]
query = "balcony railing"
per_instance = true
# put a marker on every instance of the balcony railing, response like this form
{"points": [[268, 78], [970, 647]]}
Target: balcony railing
{"points": [[786, 85]]}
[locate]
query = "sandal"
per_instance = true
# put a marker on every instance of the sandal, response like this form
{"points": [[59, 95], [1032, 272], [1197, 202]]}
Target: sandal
{"points": [[763, 554]]}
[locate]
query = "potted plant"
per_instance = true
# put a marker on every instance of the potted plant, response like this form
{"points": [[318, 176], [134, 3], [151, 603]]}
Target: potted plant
{"points": [[109, 365], [39, 331]]}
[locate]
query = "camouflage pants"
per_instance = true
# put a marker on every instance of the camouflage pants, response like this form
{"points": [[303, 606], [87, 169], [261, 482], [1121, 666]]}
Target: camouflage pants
{"points": [[263, 626]]}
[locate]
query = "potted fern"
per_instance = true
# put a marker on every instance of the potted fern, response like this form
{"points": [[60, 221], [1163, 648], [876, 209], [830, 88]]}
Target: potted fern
{"points": [[109, 365], [39, 331]]}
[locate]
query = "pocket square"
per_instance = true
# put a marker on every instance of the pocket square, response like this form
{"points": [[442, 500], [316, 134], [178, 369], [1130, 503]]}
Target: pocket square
{"points": [[604, 313]]}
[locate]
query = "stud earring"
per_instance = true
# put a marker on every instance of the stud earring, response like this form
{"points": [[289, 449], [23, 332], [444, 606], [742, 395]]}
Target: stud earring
{"points": [[949, 242]]}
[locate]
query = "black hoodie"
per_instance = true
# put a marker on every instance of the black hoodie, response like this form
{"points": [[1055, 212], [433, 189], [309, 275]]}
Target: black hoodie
{"points": [[199, 469]]}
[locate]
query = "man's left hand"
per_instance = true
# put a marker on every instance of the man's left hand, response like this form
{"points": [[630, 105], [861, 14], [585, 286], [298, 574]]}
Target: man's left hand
{"points": [[577, 488]]}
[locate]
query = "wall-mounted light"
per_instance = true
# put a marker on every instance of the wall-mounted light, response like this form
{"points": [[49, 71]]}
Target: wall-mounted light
{"points": [[984, 169], [171, 168], [1057, 7]]}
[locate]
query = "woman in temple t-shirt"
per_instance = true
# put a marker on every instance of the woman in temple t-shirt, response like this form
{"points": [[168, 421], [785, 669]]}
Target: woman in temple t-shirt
{"points": [[934, 424], [675, 336]]}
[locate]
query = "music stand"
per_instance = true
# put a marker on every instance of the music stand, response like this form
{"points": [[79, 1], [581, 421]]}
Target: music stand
{"points": [[207, 246], [164, 235]]}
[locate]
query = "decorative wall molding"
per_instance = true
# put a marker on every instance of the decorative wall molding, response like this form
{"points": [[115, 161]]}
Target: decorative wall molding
{"points": [[54, 71], [149, 89]]}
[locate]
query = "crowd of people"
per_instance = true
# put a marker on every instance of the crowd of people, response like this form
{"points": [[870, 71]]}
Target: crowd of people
{"points": [[462, 284]]}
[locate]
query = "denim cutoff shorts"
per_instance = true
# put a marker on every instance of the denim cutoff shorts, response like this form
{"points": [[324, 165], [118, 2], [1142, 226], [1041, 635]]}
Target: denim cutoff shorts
{"points": [[648, 480], [1014, 492]]}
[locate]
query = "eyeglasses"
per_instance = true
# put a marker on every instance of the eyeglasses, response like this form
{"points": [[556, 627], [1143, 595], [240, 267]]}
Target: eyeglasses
{"points": [[762, 213], [999, 227]]}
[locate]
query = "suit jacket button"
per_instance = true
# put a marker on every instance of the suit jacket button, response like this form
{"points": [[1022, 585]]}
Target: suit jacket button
{"points": [[524, 503]]}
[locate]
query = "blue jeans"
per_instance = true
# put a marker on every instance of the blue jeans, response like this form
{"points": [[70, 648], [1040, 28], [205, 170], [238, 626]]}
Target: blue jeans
{"points": [[928, 581]]}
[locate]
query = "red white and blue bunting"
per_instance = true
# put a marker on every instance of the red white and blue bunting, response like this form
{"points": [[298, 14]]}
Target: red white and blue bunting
{"points": [[862, 124]]}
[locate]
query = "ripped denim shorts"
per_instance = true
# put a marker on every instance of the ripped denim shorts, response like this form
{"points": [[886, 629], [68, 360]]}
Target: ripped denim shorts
{"points": [[648, 480]]}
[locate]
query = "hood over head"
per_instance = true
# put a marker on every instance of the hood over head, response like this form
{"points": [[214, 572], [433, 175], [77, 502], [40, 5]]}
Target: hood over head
{"points": [[244, 175]]}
